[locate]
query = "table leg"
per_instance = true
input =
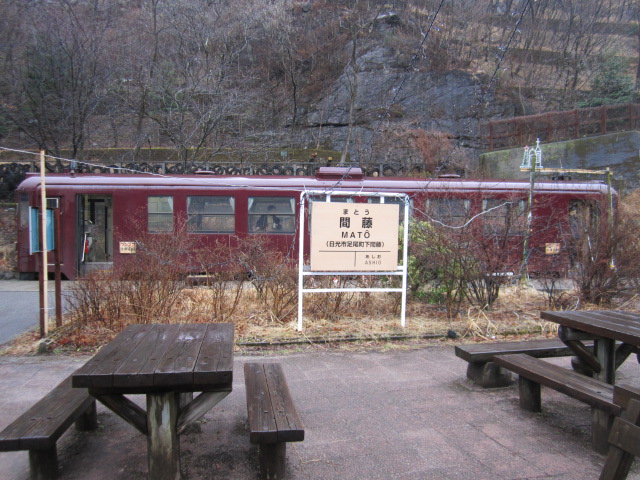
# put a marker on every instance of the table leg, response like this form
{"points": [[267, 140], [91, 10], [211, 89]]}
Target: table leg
{"points": [[163, 442], [184, 399], [605, 350]]}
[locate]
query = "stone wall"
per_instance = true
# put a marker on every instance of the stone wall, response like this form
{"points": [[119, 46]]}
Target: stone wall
{"points": [[618, 151]]}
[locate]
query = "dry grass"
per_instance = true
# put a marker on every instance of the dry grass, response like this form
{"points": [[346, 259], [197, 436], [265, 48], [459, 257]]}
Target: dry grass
{"points": [[365, 321]]}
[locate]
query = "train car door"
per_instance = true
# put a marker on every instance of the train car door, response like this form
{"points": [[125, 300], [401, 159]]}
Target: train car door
{"points": [[584, 217], [95, 229]]}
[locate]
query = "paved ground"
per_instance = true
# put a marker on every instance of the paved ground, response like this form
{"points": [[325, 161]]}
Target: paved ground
{"points": [[387, 415], [20, 310]]}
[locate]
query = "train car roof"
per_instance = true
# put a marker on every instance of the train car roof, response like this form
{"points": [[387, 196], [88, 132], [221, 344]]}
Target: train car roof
{"points": [[324, 183]]}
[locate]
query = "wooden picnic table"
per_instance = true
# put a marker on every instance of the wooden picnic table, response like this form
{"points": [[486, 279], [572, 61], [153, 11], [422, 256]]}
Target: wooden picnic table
{"points": [[616, 335], [167, 363]]}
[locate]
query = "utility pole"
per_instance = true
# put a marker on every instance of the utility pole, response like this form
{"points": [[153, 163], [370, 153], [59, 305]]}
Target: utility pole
{"points": [[528, 164], [44, 267], [536, 166]]}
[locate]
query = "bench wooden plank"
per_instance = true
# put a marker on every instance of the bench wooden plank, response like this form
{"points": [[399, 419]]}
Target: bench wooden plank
{"points": [[273, 418], [62, 413], [262, 424], [43, 424], [481, 369], [534, 372], [586, 389], [484, 352], [625, 443], [288, 422], [623, 394], [39, 428]]}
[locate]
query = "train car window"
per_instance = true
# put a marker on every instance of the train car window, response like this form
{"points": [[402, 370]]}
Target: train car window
{"points": [[160, 214], [396, 201], [453, 212], [272, 214], [333, 199], [504, 217], [211, 214], [583, 217], [23, 210]]}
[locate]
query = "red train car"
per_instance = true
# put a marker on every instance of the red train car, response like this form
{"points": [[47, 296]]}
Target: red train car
{"points": [[102, 216]]}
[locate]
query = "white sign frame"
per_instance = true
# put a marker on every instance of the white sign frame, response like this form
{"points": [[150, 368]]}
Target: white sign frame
{"points": [[401, 270]]}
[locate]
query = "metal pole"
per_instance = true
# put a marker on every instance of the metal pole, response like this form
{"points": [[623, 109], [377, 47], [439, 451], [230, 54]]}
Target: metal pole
{"points": [[525, 243], [44, 271], [610, 191], [405, 264], [58, 277], [300, 261]]}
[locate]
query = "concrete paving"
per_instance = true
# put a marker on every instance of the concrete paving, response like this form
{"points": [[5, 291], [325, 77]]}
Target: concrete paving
{"points": [[20, 311], [397, 414]]}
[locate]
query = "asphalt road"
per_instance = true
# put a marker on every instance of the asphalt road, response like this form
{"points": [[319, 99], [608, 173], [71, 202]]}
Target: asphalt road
{"points": [[20, 307]]}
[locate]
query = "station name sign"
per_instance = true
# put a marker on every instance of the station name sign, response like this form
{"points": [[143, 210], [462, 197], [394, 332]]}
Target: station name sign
{"points": [[354, 236]]}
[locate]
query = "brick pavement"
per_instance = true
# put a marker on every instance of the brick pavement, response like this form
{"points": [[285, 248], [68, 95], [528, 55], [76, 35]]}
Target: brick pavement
{"points": [[399, 414]]}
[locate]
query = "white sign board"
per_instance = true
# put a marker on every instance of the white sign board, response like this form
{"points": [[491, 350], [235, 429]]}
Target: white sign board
{"points": [[127, 247], [354, 237]]}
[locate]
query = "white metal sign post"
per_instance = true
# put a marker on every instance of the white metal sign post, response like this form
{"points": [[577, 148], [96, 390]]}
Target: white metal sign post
{"points": [[353, 239]]}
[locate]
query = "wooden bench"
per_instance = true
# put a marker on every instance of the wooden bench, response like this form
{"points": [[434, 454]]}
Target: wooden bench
{"points": [[624, 443], [534, 372], [39, 428], [623, 394], [483, 371], [273, 419]]}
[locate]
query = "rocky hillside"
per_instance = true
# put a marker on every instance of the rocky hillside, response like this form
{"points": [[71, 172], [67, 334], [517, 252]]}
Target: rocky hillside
{"points": [[377, 81]]}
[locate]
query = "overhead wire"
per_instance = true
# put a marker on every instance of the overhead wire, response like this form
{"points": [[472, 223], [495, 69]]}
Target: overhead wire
{"points": [[412, 61]]}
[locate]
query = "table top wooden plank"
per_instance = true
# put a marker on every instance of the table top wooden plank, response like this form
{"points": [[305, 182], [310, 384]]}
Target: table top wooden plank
{"points": [[610, 321], [139, 368], [610, 317], [177, 364], [98, 371], [158, 357], [215, 360], [613, 324], [596, 316]]}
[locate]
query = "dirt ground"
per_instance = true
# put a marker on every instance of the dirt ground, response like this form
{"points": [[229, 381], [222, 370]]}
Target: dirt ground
{"points": [[515, 316]]}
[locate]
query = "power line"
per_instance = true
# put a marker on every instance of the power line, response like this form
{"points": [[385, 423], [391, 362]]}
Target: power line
{"points": [[414, 58]]}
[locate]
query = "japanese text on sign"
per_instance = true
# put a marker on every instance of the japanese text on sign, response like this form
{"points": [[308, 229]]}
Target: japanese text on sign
{"points": [[354, 236]]}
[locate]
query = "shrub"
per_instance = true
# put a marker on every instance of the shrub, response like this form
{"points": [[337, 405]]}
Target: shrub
{"points": [[143, 289], [274, 276], [611, 83], [605, 265], [222, 281], [437, 266]]}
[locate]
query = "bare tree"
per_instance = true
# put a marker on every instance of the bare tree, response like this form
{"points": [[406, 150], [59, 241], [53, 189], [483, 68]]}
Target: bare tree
{"points": [[193, 89], [604, 253], [57, 78], [635, 14]]}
